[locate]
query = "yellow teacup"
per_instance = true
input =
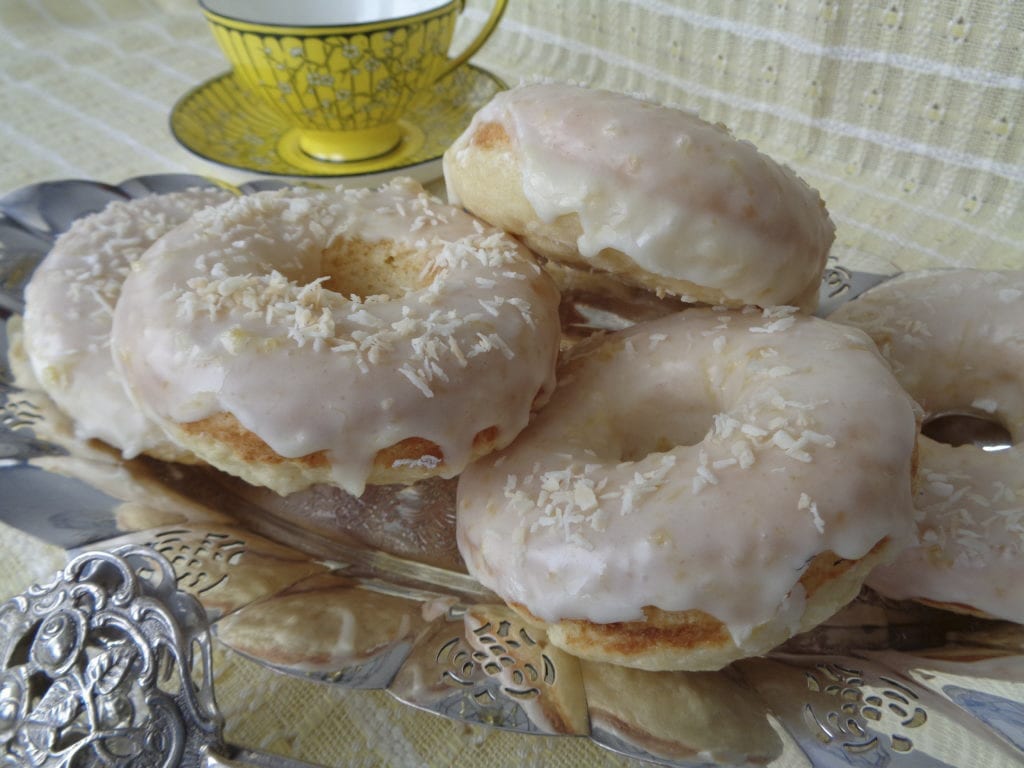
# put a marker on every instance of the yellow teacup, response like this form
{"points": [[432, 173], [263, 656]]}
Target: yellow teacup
{"points": [[343, 73]]}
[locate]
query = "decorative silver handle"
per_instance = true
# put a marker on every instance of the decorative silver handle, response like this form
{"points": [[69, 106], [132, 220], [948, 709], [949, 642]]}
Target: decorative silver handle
{"points": [[110, 665]]}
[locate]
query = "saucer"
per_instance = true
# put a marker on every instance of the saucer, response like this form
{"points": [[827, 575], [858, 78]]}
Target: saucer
{"points": [[221, 121]]}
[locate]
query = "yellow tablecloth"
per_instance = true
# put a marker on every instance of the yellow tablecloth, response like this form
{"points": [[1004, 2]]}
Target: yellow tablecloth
{"points": [[906, 115]]}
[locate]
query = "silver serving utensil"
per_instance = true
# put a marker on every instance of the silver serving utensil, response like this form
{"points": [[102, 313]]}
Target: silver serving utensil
{"points": [[109, 665]]}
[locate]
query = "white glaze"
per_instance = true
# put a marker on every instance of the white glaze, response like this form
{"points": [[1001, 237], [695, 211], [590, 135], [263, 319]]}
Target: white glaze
{"points": [[228, 314], [681, 197], [69, 308], [955, 340], [699, 461]]}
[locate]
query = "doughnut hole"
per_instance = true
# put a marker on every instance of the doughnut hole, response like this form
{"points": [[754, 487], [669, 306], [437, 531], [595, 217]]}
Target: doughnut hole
{"points": [[644, 432], [968, 427], [624, 425], [357, 267]]}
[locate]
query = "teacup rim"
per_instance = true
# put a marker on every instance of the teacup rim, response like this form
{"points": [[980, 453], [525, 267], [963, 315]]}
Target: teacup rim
{"points": [[438, 7]]}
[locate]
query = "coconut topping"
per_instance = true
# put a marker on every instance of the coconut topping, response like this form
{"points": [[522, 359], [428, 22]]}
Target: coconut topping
{"points": [[70, 304], [270, 309], [680, 476], [955, 340]]}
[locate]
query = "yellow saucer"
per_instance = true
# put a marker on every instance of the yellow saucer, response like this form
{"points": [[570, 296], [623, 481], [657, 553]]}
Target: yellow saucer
{"points": [[222, 122]]}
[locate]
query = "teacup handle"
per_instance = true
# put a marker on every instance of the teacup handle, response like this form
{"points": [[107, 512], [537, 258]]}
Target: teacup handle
{"points": [[478, 41]]}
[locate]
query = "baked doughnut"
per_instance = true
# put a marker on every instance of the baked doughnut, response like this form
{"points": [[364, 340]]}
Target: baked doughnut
{"points": [[955, 340], [69, 307], [698, 489], [657, 196], [735, 493], [344, 336]]}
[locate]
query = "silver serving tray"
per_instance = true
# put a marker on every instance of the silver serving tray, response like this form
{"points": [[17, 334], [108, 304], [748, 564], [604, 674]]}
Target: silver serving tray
{"points": [[371, 593]]}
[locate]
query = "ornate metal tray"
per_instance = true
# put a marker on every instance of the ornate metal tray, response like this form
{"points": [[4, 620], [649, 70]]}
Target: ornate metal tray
{"points": [[371, 593]]}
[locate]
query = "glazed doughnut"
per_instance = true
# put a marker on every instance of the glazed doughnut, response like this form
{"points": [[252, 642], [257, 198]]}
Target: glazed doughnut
{"points": [[344, 337], [657, 196], [69, 307], [955, 340], [698, 489]]}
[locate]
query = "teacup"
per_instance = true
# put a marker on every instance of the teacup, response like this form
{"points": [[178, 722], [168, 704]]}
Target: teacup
{"points": [[341, 73]]}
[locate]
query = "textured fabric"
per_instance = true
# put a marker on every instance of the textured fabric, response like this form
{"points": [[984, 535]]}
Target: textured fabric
{"points": [[906, 115]]}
